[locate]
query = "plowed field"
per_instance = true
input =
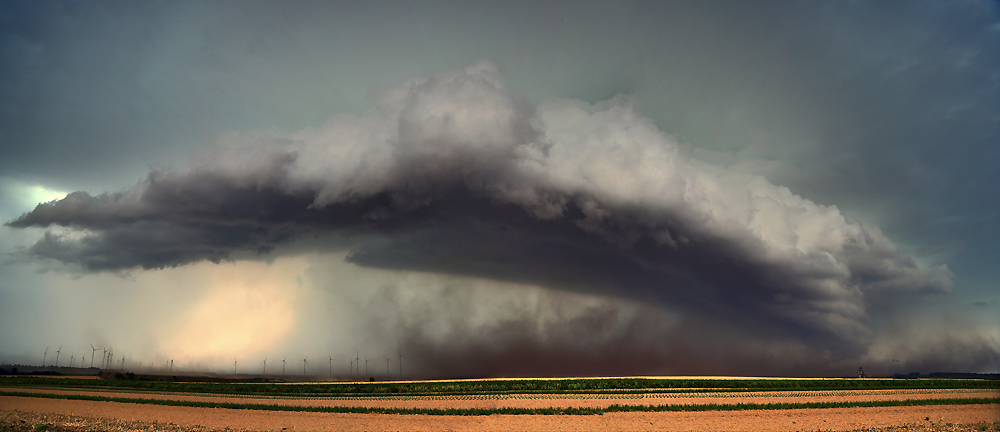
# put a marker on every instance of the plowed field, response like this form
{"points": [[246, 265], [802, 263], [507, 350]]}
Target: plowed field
{"points": [[191, 418]]}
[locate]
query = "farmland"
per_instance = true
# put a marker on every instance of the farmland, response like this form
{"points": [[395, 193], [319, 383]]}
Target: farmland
{"points": [[526, 402]]}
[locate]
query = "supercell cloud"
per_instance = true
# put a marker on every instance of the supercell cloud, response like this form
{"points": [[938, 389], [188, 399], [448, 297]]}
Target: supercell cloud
{"points": [[458, 174]]}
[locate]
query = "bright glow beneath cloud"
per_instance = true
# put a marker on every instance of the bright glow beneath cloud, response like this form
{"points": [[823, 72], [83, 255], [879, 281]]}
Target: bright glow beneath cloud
{"points": [[248, 307]]}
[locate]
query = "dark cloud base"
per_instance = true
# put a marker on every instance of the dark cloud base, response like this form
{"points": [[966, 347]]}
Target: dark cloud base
{"points": [[454, 233], [459, 175], [634, 338]]}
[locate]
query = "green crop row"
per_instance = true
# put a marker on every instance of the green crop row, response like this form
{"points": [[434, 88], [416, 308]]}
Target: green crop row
{"points": [[622, 385], [518, 411]]}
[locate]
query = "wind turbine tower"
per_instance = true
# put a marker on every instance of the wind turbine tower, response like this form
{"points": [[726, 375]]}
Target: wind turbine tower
{"points": [[57, 355], [400, 364], [283, 365], [366, 365], [234, 365], [387, 367], [331, 363], [92, 353], [304, 365], [265, 367], [43, 356]]}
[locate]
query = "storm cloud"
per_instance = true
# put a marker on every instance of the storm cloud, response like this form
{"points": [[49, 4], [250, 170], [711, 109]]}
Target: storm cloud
{"points": [[457, 173]]}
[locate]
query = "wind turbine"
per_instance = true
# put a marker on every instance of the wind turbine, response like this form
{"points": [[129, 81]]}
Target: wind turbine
{"points": [[283, 365], [304, 365], [366, 365], [72, 356], [234, 365], [92, 355], [57, 355], [387, 367], [171, 365], [331, 363], [352, 366], [400, 364], [265, 366], [43, 355], [357, 361]]}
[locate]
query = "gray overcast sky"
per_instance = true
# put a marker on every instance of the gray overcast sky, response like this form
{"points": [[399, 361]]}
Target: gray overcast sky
{"points": [[884, 114]]}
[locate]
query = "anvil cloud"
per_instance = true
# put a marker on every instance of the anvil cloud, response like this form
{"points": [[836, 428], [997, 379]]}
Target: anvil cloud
{"points": [[456, 173]]}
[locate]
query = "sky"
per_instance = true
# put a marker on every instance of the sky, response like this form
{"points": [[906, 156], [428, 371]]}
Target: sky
{"points": [[502, 189]]}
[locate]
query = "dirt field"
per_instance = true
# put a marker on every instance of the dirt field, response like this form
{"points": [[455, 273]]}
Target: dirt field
{"points": [[550, 400], [90, 415]]}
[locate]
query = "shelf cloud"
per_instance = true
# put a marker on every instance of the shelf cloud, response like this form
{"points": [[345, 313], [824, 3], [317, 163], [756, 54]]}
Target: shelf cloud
{"points": [[456, 173]]}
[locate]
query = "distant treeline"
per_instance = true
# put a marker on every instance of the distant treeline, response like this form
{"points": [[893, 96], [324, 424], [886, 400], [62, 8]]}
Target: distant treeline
{"points": [[8, 369], [962, 375], [14, 371], [610, 385], [184, 378]]}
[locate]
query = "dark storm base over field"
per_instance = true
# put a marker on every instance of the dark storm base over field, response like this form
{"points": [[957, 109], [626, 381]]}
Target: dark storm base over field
{"points": [[501, 189]]}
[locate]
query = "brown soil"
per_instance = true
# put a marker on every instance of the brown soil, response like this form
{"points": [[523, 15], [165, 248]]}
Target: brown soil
{"points": [[546, 401], [170, 418]]}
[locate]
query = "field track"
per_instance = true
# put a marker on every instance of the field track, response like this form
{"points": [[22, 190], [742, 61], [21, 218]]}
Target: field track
{"points": [[545, 400], [187, 418]]}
